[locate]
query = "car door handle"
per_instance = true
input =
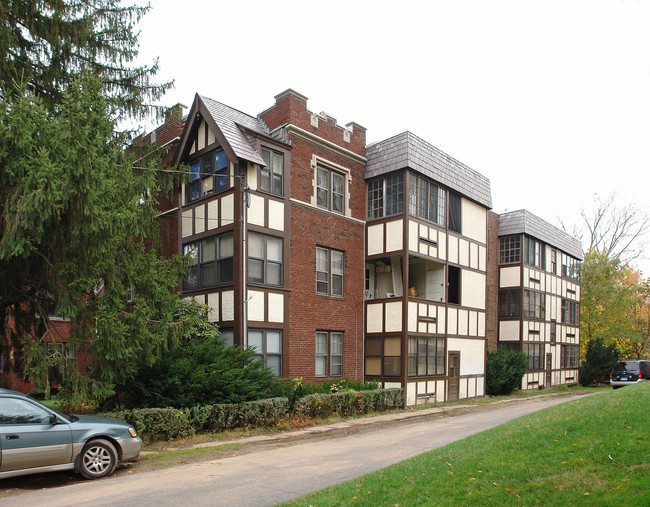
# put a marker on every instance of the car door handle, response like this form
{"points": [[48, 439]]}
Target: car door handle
{"points": [[12, 437]]}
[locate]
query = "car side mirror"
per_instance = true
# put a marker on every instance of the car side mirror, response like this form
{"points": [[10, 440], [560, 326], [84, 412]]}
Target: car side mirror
{"points": [[53, 419]]}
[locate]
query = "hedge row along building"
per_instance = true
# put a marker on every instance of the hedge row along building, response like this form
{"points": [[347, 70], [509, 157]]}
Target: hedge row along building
{"points": [[381, 262]]}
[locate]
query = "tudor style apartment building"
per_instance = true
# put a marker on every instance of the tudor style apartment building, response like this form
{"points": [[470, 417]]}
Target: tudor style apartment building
{"points": [[334, 259]]}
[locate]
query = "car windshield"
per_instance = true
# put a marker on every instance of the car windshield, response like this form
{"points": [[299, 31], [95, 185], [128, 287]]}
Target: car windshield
{"points": [[627, 366]]}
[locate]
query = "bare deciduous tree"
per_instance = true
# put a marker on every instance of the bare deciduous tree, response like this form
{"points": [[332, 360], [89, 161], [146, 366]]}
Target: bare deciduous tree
{"points": [[613, 228]]}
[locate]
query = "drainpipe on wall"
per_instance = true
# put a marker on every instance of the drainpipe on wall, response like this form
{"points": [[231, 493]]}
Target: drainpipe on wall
{"points": [[244, 219]]}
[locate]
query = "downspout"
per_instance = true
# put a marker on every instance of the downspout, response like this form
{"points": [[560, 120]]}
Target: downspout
{"points": [[244, 220]]}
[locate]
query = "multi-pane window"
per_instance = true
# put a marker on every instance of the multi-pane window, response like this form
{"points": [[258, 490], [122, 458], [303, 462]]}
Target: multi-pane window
{"points": [[569, 357], [426, 356], [384, 356], [426, 200], [570, 312], [394, 194], [509, 249], [509, 303], [264, 259], [570, 267], [330, 189], [554, 261], [553, 331], [208, 174], [533, 352], [271, 176], [533, 252], [534, 304], [211, 262], [268, 347], [455, 212], [329, 272], [376, 199], [329, 354], [386, 196]]}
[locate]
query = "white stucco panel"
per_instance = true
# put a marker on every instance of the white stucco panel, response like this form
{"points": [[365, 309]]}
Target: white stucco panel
{"points": [[227, 209], [414, 237], [394, 235], [509, 330], [255, 306], [474, 221], [463, 325], [276, 215], [482, 258], [276, 307], [256, 210], [411, 388], [414, 311], [463, 252], [452, 320], [199, 219], [453, 249], [473, 289], [472, 355], [213, 215], [509, 277], [375, 239], [251, 176], [393, 317], [213, 303], [442, 246], [473, 324], [228, 305], [473, 256], [374, 317], [186, 224], [481, 325]]}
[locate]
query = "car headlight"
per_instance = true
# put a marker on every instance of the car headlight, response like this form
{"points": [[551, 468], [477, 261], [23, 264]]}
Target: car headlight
{"points": [[132, 432]]}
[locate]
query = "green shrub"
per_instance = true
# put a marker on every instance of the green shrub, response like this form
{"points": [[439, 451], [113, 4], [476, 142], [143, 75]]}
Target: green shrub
{"points": [[346, 403], [203, 371], [295, 388], [598, 362], [504, 370], [168, 423]]}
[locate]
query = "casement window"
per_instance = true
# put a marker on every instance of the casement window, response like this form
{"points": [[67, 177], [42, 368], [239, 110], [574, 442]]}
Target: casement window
{"points": [[426, 356], [329, 272], [427, 200], [208, 174], [267, 344], [271, 176], [534, 253], [386, 196], [455, 212], [553, 331], [264, 259], [329, 354], [509, 301], [453, 285], [570, 312], [534, 304], [330, 189], [533, 352], [509, 346], [384, 356], [227, 335], [509, 249], [211, 262], [554, 262], [570, 268], [569, 357]]}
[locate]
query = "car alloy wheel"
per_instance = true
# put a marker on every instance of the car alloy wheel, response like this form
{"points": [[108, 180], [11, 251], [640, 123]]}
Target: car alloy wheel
{"points": [[98, 459]]}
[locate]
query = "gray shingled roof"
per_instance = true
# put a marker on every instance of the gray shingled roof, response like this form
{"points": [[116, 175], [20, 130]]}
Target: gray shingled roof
{"points": [[408, 150], [228, 120], [524, 222]]}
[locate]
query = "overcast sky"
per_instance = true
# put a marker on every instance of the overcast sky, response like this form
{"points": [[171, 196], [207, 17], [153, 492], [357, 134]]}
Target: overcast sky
{"points": [[550, 99]]}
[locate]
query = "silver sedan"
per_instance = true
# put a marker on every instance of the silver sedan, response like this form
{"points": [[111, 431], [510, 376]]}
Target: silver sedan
{"points": [[35, 438]]}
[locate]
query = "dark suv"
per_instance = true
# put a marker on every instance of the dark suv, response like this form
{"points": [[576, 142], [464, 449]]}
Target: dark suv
{"points": [[630, 371]]}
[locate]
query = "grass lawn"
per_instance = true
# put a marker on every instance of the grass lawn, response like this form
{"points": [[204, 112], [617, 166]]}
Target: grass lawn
{"points": [[594, 451]]}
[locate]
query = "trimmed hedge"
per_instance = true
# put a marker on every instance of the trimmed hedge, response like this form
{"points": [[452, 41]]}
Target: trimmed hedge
{"points": [[168, 423], [349, 402]]}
